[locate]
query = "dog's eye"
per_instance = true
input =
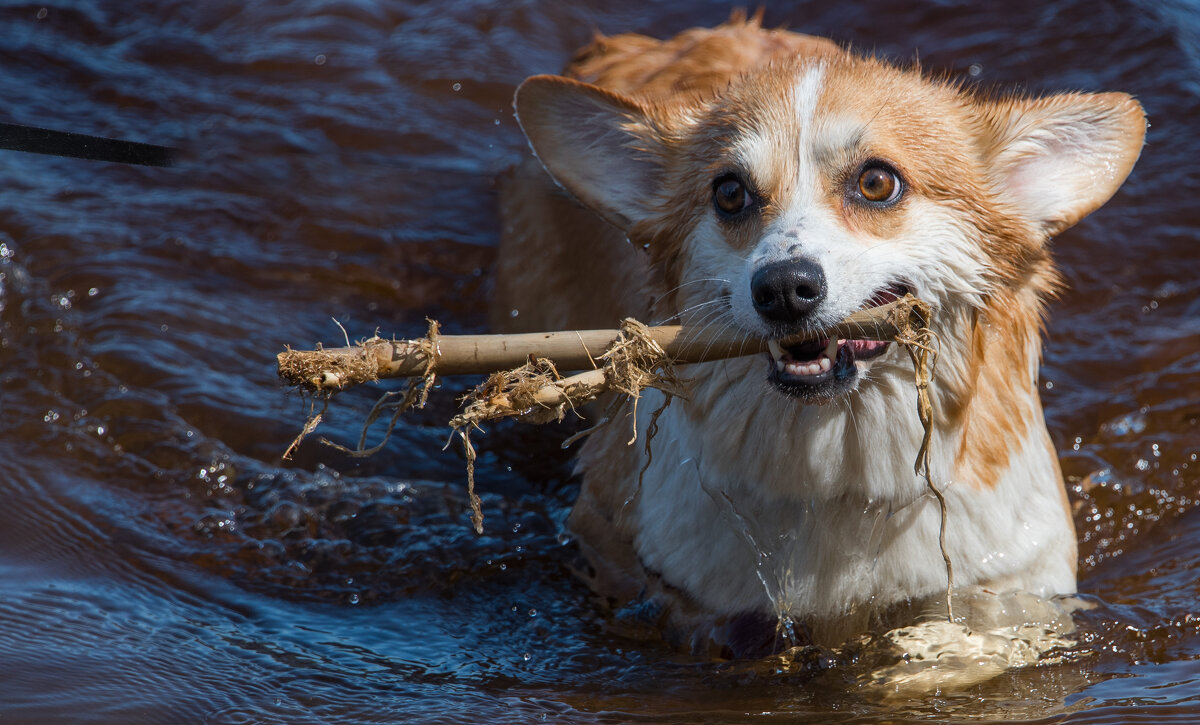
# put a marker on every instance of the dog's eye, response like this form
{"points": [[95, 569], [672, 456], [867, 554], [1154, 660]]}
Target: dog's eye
{"points": [[879, 184], [730, 195]]}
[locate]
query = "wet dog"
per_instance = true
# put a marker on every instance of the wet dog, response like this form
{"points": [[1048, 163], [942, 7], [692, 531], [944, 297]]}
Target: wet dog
{"points": [[774, 183]]}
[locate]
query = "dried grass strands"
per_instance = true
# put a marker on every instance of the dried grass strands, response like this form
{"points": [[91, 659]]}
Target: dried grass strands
{"points": [[536, 393], [328, 370]]}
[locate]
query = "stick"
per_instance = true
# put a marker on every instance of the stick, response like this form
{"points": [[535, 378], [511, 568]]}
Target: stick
{"points": [[335, 369], [524, 380]]}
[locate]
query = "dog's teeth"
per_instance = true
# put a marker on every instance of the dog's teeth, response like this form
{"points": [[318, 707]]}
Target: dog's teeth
{"points": [[825, 364], [831, 348], [779, 365], [806, 369], [776, 350]]}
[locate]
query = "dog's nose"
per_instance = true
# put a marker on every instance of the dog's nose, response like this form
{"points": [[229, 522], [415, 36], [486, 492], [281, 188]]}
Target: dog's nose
{"points": [[787, 291]]}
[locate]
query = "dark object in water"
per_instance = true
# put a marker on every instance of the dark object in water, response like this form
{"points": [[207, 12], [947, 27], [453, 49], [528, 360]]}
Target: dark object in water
{"points": [[31, 139]]}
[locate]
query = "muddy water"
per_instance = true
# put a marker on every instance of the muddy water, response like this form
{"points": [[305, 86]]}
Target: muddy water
{"points": [[159, 562]]}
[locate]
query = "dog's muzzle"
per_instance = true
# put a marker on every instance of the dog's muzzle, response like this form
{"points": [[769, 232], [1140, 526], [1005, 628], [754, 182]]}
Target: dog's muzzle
{"points": [[785, 295]]}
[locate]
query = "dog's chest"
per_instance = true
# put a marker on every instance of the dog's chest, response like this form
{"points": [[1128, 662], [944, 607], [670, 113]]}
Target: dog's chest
{"points": [[750, 503]]}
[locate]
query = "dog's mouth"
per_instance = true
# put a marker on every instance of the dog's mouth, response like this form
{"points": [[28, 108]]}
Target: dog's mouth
{"points": [[821, 369]]}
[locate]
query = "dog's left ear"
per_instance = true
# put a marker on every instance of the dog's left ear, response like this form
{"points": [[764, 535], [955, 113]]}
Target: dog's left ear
{"points": [[1059, 158], [602, 147]]}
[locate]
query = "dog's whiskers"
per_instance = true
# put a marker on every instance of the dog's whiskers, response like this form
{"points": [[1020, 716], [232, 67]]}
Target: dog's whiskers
{"points": [[680, 286], [679, 315]]}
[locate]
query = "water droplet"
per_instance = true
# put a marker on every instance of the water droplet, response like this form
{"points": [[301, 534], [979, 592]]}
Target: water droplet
{"points": [[93, 292], [1142, 464], [320, 59], [162, 328], [42, 13], [354, 599], [975, 69], [1127, 424], [526, 656], [515, 312], [456, 87]]}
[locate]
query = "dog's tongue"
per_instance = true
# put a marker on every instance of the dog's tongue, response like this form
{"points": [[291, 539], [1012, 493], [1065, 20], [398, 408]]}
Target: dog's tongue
{"points": [[866, 347]]}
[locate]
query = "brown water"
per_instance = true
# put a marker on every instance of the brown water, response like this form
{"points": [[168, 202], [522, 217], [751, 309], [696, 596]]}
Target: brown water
{"points": [[158, 561]]}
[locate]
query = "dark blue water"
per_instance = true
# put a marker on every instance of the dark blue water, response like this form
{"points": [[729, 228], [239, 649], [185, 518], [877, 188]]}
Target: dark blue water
{"points": [[159, 562]]}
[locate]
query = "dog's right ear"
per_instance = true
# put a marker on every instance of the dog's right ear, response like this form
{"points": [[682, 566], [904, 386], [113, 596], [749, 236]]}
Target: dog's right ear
{"points": [[600, 146]]}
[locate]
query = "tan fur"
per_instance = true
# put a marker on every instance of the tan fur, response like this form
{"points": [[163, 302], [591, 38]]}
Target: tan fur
{"points": [[695, 63], [998, 372]]}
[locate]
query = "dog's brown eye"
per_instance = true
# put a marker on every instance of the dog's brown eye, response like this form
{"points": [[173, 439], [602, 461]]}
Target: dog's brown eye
{"points": [[878, 183], [730, 195]]}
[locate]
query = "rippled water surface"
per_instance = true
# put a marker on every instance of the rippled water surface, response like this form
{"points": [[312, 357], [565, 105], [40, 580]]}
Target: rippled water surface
{"points": [[159, 562]]}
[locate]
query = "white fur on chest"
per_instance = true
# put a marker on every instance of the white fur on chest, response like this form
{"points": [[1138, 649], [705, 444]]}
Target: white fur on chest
{"points": [[753, 502]]}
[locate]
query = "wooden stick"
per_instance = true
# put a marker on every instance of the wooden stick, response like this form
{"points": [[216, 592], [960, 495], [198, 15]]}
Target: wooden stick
{"points": [[587, 384], [338, 368]]}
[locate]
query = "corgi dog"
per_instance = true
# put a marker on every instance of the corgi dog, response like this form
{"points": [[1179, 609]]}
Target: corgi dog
{"points": [[773, 183]]}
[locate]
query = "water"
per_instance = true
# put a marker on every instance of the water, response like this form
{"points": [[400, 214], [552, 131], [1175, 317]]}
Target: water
{"points": [[159, 562]]}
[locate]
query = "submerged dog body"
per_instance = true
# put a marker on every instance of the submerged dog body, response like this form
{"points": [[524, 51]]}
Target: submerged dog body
{"points": [[774, 183]]}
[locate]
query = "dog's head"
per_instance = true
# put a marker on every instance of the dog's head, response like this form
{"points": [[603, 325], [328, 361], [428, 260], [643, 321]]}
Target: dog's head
{"points": [[815, 187]]}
